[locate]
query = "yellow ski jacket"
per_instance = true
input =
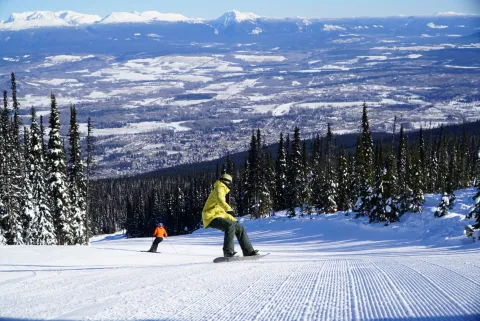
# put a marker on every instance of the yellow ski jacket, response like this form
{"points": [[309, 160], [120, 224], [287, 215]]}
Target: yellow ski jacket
{"points": [[216, 205]]}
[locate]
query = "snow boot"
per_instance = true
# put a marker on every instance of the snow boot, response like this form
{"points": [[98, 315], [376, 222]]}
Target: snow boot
{"points": [[253, 253]]}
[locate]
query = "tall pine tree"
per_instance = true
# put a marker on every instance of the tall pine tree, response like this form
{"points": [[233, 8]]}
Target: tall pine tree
{"points": [[12, 187], [343, 179], [295, 174], [402, 172], [77, 183], [44, 232], [330, 187], [365, 170], [28, 214], [280, 177], [89, 170], [57, 179]]}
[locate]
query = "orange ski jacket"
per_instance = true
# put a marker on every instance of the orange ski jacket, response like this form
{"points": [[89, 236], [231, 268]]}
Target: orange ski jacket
{"points": [[160, 232]]}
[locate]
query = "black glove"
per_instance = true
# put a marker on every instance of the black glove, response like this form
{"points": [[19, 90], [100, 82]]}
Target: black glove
{"points": [[231, 213]]}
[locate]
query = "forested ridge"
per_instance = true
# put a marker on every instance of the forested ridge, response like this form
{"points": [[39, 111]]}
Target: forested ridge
{"points": [[380, 178]]}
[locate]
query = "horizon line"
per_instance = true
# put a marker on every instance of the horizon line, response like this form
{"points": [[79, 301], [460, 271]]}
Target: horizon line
{"points": [[438, 14]]}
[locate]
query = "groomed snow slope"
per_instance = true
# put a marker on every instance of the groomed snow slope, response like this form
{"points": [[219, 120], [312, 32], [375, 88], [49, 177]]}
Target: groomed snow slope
{"points": [[323, 268]]}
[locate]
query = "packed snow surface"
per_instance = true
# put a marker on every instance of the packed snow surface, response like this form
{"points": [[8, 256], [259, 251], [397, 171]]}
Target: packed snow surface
{"points": [[320, 268]]}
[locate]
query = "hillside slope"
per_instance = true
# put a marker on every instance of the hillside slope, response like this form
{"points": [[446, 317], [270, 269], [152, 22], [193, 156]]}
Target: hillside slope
{"points": [[320, 268]]}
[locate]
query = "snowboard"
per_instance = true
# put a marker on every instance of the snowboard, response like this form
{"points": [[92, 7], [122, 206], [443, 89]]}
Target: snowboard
{"points": [[150, 252], [239, 258]]}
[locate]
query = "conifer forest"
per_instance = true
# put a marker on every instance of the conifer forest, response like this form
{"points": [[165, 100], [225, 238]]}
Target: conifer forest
{"points": [[47, 195], [380, 180], [43, 186]]}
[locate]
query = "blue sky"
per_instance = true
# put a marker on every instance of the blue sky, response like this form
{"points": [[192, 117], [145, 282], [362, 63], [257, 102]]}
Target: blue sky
{"points": [[272, 8]]}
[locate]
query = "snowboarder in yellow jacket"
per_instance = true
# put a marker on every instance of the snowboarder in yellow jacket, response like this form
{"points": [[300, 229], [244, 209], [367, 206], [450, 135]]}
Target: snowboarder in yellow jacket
{"points": [[219, 215]]}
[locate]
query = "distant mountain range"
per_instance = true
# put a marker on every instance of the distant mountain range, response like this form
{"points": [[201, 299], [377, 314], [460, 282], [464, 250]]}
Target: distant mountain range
{"points": [[39, 19], [164, 33]]}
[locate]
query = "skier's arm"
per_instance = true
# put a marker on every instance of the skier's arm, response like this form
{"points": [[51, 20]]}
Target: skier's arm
{"points": [[220, 199]]}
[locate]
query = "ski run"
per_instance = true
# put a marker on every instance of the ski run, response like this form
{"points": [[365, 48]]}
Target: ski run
{"points": [[328, 267]]}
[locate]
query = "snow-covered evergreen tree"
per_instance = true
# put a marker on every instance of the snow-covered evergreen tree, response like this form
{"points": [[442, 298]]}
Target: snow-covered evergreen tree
{"points": [[307, 179], [443, 161], [364, 168], [295, 174], [343, 179], [330, 188], [57, 179], [404, 191], [16, 121], [42, 138], [318, 174], [43, 224], [443, 207], [422, 159], [268, 186], [463, 160], [11, 187], [28, 214], [353, 179], [418, 176], [228, 167], [280, 177], [89, 169], [18, 159], [416, 186], [4, 131], [253, 179], [385, 198], [433, 167], [77, 183], [179, 206]]}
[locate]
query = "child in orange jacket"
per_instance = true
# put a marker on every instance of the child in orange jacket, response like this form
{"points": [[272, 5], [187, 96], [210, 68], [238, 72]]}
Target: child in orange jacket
{"points": [[159, 234]]}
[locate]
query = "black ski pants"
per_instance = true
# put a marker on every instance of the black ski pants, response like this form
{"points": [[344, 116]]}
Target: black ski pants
{"points": [[231, 229], [155, 243]]}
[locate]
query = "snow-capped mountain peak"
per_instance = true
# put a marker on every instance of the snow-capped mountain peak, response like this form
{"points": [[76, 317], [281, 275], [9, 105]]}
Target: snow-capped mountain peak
{"points": [[155, 15], [36, 19], [235, 16], [123, 17], [30, 16], [147, 16], [75, 18], [242, 16]]}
